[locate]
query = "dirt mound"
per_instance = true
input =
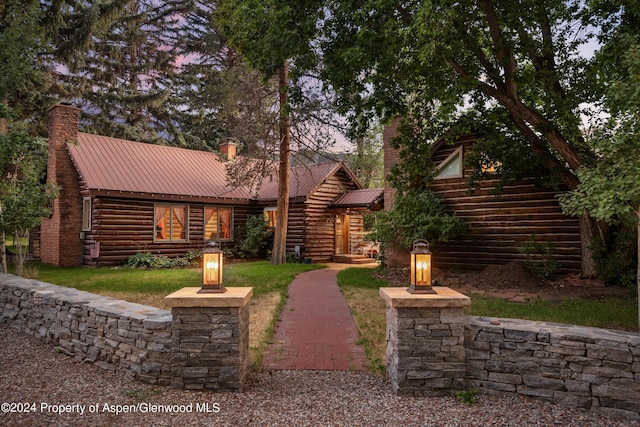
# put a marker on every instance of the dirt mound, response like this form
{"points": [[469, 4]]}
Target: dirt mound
{"points": [[509, 276]]}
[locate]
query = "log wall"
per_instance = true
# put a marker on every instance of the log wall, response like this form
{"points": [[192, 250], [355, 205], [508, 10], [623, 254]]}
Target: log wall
{"points": [[319, 222], [123, 227], [500, 224]]}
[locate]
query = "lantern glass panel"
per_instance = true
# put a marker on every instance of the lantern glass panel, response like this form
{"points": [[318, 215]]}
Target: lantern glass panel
{"points": [[212, 268], [422, 269]]}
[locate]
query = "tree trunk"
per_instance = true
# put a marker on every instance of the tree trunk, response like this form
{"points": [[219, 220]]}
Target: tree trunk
{"points": [[588, 231], [3, 236], [21, 251], [3, 252], [638, 270], [279, 253]]}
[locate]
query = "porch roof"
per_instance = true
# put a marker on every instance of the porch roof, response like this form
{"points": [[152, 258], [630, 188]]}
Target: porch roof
{"points": [[365, 198]]}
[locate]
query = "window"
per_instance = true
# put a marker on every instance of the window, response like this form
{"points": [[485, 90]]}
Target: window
{"points": [[270, 217], [489, 167], [171, 223], [86, 214], [451, 167], [218, 223]]}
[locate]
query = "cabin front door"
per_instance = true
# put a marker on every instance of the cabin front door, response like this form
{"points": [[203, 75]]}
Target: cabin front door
{"points": [[342, 235]]}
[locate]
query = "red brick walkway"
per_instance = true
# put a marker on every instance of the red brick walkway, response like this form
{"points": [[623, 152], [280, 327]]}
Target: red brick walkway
{"points": [[316, 329]]}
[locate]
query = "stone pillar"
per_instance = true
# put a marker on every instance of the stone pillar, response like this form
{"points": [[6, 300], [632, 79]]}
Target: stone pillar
{"points": [[425, 341], [210, 339]]}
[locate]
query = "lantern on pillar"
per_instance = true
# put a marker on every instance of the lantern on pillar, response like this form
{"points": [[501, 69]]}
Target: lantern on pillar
{"points": [[212, 264], [421, 269]]}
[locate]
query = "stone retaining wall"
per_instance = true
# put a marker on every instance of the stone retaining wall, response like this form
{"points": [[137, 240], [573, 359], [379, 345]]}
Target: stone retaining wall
{"points": [[573, 365], [131, 339]]}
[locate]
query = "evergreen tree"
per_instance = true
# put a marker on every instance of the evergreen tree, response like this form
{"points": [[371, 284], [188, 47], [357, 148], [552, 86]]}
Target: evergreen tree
{"points": [[124, 81], [270, 35], [222, 99], [24, 81]]}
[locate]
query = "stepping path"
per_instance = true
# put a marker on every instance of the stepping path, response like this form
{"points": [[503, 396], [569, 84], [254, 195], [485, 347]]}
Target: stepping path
{"points": [[316, 329]]}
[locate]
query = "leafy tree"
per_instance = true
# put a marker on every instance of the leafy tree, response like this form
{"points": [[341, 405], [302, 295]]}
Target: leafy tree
{"points": [[269, 34], [609, 189], [493, 67], [24, 199], [124, 77]]}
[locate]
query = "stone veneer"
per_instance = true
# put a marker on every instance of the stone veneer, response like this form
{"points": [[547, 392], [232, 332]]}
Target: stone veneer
{"points": [[130, 339], [210, 344], [434, 349], [202, 344], [573, 365], [425, 341]]}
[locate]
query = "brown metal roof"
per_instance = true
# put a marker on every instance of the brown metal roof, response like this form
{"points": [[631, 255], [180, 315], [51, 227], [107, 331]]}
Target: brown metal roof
{"points": [[359, 198], [134, 168], [303, 180], [112, 164]]}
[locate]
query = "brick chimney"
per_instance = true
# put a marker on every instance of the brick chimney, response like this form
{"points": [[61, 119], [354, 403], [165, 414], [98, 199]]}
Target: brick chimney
{"points": [[393, 257], [228, 149], [391, 158], [60, 242]]}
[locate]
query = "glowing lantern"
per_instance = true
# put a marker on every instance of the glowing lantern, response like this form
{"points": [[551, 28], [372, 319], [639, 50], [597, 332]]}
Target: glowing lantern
{"points": [[212, 265], [421, 269]]}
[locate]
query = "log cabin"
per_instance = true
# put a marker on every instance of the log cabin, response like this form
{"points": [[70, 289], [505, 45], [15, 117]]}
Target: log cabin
{"points": [[118, 198], [326, 208], [500, 222]]}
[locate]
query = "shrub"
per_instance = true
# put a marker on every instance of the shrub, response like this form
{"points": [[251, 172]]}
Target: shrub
{"points": [[292, 258], [257, 235], [141, 260], [468, 396], [416, 215], [193, 257], [616, 267], [539, 257], [148, 260]]}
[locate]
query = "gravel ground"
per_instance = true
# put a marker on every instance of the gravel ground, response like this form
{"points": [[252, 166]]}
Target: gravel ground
{"points": [[39, 382]]}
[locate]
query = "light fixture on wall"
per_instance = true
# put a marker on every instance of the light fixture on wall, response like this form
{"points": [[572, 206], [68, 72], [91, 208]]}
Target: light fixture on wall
{"points": [[421, 269], [212, 265]]}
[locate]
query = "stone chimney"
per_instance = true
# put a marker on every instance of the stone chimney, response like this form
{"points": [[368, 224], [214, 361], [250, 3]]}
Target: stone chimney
{"points": [[60, 242], [228, 149]]}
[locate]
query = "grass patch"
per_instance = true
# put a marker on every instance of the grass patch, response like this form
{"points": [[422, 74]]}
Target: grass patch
{"points": [[608, 313], [360, 287], [149, 287], [264, 312], [11, 244]]}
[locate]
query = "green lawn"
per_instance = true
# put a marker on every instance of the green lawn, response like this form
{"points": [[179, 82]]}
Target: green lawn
{"points": [[360, 287], [263, 276], [608, 313], [149, 287]]}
